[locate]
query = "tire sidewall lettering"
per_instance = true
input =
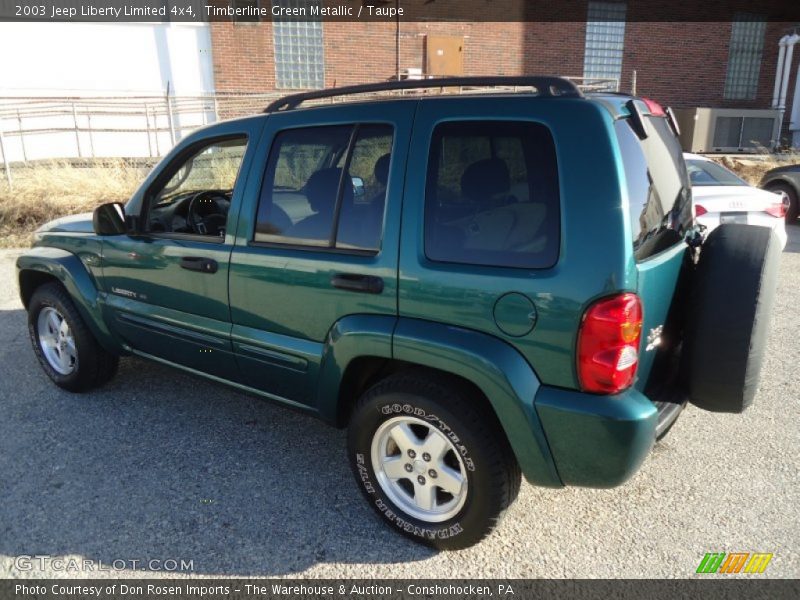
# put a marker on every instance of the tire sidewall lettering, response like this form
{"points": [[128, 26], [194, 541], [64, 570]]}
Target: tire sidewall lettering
{"points": [[399, 520], [409, 527], [415, 411], [363, 474]]}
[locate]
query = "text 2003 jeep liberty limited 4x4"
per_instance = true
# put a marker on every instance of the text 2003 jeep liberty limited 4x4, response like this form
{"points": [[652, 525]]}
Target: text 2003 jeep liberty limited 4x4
{"points": [[477, 285]]}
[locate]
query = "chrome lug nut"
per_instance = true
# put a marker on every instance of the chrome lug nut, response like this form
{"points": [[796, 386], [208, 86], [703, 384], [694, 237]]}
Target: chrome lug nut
{"points": [[408, 467], [433, 474], [412, 454], [426, 457], [421, 479]]}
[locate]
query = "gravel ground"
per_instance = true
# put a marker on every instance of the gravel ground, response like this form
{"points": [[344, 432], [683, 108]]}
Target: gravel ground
{"points": [[159, 465]]}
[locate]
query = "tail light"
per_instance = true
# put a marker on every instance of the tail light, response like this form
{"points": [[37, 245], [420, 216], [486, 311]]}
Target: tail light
{"points": [[699, 211], [654, 107], [608, 344], [779, 209]]}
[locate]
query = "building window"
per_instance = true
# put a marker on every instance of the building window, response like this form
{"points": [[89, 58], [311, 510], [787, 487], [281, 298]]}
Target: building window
{"points": [[605, 40], [299, 56], [744, 57]]}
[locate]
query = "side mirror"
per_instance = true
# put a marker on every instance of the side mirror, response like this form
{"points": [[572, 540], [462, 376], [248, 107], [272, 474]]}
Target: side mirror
{"points": [[109, 219], [358, 186]]}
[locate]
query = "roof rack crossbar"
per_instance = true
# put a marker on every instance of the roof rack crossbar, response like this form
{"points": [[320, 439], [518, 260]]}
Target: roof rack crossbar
{"points": [[545, 86]]}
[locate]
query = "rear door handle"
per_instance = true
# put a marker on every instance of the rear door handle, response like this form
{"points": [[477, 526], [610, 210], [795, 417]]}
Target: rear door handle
{"points": [[352, 282], [198, 263]]}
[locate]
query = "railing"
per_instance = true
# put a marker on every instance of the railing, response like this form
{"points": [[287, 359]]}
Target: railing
{"points": [[594, 84], [34, 127], [136, 126]]}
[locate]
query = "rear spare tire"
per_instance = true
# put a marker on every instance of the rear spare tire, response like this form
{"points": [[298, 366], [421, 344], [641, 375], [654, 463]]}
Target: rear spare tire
{"points": [[734, 290]]}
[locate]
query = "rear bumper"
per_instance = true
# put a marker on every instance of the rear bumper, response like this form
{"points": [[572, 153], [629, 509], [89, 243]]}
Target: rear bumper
{"points": [[597, 441]]}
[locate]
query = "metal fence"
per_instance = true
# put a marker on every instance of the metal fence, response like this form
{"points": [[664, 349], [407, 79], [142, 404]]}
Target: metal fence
{"points": [[146, 115], [34, 128]]}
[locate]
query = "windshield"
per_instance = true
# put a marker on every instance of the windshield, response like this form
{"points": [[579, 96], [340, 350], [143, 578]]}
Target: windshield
{"points": [[214, 167], [705, 172]]}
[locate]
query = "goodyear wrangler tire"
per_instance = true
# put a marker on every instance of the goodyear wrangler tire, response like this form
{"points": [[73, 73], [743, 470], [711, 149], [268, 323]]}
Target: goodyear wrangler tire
{"points": [[729, 318], [434, 466]]}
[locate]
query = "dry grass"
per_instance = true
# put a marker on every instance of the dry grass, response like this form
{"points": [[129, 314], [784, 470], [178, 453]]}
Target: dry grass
{"points": [[50, 190], [46, 191], [752, 168]]}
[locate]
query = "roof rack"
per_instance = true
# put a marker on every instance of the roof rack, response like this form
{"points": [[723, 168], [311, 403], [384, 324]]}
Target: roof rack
{"points": [[545, 86]]}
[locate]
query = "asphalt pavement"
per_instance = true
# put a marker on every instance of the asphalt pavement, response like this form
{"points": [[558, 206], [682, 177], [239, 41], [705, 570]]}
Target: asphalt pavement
{"points": [[159, 466]]}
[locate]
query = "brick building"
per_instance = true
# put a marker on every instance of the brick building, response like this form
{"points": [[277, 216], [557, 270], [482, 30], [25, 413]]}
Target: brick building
{"points": [[179, 74], [682, 64]]}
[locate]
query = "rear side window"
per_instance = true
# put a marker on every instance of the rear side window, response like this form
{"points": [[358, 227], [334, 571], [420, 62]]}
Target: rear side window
{"points": [[659, 192], [326, 187], [491, 195]]}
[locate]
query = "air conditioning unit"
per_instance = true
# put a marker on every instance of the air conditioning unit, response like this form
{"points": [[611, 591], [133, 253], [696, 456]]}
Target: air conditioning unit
{"points": [[412, 73], [727, 129]]}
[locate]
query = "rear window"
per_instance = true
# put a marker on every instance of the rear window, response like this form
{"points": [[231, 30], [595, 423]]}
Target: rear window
{"points": [[492, 195], [708, 173], [659, 191]]}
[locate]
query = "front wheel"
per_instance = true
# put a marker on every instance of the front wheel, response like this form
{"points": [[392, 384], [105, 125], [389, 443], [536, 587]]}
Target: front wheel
{"points": [[433, 465], [64, 345]]}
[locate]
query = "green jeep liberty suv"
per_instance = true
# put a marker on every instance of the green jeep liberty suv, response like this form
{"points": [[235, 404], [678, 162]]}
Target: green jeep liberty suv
{"points": [[478, 285]]}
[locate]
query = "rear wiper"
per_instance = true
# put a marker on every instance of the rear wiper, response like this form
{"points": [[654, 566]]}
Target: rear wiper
{"points": [[637, 119], [673, 122]]}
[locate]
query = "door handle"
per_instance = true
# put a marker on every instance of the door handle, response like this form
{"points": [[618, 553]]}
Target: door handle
{"points": [[198, 263], [353, 282]]}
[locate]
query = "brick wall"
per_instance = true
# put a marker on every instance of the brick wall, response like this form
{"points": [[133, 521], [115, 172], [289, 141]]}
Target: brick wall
{"points": [[243, 57], [360, 52], [684, 64], [679, 64]]}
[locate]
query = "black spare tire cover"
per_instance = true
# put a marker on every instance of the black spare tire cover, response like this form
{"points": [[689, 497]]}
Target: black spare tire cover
{"points": [[733, 295]]}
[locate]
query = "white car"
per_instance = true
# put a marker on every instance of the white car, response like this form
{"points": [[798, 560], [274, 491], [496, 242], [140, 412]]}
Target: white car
{"points": [[720, 196]]}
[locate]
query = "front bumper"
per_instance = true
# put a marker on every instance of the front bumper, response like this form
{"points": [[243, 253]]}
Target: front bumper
{"points": [[596, 441]]}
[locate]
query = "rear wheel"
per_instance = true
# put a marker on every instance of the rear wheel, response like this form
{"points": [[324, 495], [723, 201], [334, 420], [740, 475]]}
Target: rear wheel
{"points": [[734, 290], [433, 464], [64, 345], [794, 203]]}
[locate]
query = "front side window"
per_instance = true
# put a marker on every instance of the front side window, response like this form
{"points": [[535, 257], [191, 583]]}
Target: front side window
{"points": [[326, 187], [492, 195], [198, 191]]}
